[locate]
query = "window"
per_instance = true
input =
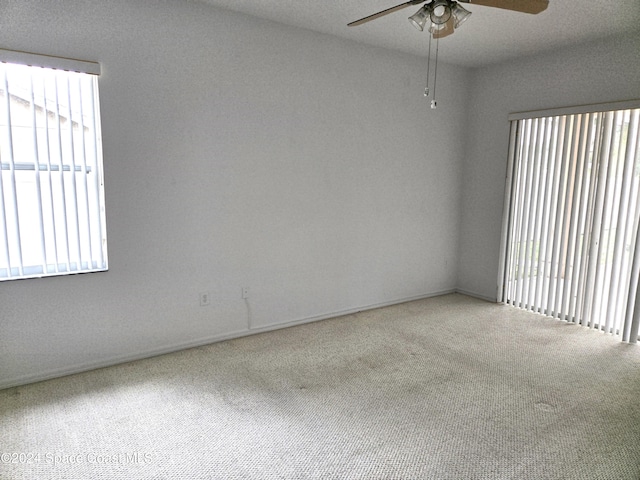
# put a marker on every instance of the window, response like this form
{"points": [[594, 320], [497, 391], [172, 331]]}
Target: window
{"points": [[571, 248], [52, 216]]}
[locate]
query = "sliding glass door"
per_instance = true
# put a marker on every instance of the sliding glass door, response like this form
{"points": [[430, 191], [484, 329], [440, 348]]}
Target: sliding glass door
{"points": [[572, 209]]}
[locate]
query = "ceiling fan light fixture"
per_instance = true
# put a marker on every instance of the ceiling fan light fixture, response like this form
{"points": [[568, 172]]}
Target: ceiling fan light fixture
{"points": [[420, 18], [440, 11], [460, 14]]}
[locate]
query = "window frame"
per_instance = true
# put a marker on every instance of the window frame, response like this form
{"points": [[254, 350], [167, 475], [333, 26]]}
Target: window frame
{"points": [[82, 87]]}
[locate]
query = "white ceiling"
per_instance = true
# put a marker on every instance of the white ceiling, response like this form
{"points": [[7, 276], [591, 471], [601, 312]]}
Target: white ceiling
{"points": [[490, 35]]}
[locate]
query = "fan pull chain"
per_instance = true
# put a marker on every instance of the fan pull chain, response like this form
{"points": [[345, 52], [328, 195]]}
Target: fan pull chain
{"points": [[435, 76], [426, 90]]}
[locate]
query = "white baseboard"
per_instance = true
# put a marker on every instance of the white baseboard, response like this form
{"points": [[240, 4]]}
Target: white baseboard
{"points": [[340, 313], [476, 295], [109, 362]]}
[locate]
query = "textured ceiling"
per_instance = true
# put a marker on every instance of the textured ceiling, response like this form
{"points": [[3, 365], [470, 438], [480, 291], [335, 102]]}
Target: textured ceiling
{"points": [[489, 36]]}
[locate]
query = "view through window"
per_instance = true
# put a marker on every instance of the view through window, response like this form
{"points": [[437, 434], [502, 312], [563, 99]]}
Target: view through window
{"points": [[52, 217]]}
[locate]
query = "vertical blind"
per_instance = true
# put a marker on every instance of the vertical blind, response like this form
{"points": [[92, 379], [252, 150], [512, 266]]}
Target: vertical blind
{"points": [[52, 218], [571, 248]]}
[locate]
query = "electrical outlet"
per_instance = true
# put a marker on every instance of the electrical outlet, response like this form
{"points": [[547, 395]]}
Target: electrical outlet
{"points": [[245, 292], [205, 299]]}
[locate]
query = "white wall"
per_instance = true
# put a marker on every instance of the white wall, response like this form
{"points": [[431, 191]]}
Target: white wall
{"points": [[238, 152], [603, 71]]}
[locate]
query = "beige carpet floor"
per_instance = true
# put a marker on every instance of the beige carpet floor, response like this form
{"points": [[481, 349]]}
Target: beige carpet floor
{"points": [[444, 388]]}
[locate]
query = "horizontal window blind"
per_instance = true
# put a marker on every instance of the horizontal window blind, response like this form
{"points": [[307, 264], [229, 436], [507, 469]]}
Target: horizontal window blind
{"points": [[572, 210], [52, 217]]}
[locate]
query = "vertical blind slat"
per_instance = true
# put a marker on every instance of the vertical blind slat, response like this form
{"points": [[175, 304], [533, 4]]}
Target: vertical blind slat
{"points": [[526, 201], [519, 196], [623, 263], [543, 214], [13, 196], [36, 170], [74, 187], [556, 218], [47, 140], [6, 256], [634, 276], [556, 284], [506, 222], [580, 208], [572, 216], [514, 218], [548, 234], [586, 219], [595, 251], [61, 182], [83, 151], [603, 269], [635, 319], [537, 212], [97, 178], [531, 205], [631, 321]]}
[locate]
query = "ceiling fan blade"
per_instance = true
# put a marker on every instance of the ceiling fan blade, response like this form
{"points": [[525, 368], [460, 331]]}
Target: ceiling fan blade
{"points": [[525, 6], [447, 30], [385, 12]]}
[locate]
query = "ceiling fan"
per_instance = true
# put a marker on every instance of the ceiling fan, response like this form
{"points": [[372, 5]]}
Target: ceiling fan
{"points": [[442, 17]]}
